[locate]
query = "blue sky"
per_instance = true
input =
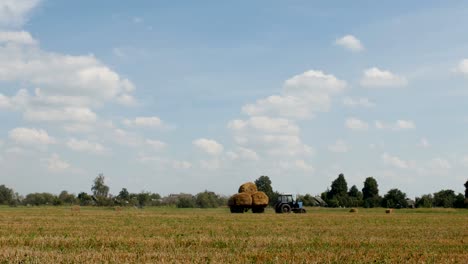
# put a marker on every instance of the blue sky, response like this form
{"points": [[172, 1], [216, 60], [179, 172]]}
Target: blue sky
{"points": [[182, 97]]}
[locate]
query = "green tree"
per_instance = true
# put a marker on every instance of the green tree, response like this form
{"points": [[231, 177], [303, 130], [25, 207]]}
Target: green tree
{"points": [[264, 185], [466, 189], [185, 202], [67, 198], [338, 194], [459, 201], [85, 199], [100, 191], [7, 195], [444, 198], [394, 199], [424, 201], [370, 193], [123, 198], [207, 199], [355, 196], [143, 198]]}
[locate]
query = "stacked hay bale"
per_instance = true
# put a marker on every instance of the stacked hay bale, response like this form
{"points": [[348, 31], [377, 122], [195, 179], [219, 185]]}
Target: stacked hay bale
{"points": [[248, 197]]}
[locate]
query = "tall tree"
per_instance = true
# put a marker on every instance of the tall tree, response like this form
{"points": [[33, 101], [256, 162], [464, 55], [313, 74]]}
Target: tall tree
{"points": [[6, 195], [444, 198], [466, 189], [100, 189], [394, 199], [370, 193], [264, 185], [339, 186]]}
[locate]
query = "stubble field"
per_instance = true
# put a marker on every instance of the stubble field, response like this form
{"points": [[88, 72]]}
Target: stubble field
{"points": [[169, 235]]}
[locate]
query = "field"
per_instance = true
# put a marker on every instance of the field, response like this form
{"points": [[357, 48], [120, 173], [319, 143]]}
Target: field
{"points": [[56, 234]]}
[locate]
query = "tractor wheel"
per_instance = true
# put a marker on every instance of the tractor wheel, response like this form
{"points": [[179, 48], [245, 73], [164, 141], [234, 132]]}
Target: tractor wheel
{"points": [[258, 210], [236, 210], [285, 208]]}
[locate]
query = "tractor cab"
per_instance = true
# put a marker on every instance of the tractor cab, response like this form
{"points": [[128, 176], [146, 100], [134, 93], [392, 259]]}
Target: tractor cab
{"points": [[286, 204]]}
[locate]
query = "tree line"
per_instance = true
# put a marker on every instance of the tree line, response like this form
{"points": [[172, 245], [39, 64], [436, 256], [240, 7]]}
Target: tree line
{"points": [[338, 195]]}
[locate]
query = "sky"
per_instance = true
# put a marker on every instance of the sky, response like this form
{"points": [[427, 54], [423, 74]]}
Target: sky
{"points": [[187, 96]]}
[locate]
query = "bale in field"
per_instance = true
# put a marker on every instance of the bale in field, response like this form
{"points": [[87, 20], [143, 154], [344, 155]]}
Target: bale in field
{"points": [[240, 199], [75, 208], [389, 211], [353, 210], [248, 187], [259, 199]]}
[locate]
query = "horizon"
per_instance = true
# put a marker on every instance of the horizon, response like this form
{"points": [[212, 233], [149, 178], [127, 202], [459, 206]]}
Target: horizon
{"points": [[182, 98]]}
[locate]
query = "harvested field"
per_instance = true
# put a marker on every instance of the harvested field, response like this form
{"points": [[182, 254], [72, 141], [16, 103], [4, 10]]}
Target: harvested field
{"points": [[169, 235]]}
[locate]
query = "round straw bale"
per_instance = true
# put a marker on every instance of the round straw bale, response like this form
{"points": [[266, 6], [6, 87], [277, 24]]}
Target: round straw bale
{"points": [[353, 210], [389, 211], [248, 187], [259, 199], [240, 199]]}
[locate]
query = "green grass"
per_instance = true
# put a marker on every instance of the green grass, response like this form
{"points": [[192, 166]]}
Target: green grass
{"points": [[56, 234]]}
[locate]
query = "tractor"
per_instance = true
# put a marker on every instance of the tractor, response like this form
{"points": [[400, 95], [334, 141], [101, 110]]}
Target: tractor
{"points": [[286, 204]]}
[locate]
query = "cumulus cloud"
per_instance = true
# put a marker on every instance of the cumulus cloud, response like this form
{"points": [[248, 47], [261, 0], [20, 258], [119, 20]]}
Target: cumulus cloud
{"points": [[31, 136], [424, 143], [165, 163], [155, 144], [85, 146], [150, 122], [14, 13], [55, 163], [439, 164], [374, 77], [462, 67], [265, 124], [209, 146], [395, 161], [397, 126], [17, 37], [243, 154], [339, 146], [358, 102], [303, 95], [350, 42], [356, 124]]}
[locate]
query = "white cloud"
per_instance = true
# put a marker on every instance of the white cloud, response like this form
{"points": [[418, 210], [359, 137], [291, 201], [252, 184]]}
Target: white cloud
{"points": [[265, 124], [397, 126], [464, 161], [60, 75], [374, 77], [301, 164], [209, 146], [55, 163], [395, 161], [31, 136], [14, 13], [78, 128], [462, 67], [358, 102], [210, 164], [424, 143], [356, 124], [85, 146], [156, 144], [339, 146], [151, 122], [303, 95], [350, 42], [243, 153], [439, 164], [76, 114], [17, 37]]}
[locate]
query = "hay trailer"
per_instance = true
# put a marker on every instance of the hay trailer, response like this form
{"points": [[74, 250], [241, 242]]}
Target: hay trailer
{"points": [[286, 204]]}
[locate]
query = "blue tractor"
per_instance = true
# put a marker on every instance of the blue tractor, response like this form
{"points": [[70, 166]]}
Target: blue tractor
{"points": [[286, 204]]}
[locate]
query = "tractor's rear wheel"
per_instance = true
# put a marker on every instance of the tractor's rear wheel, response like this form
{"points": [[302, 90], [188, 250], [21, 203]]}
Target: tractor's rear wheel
{"points": [[285, 208], [258, 210], [236, 209]]}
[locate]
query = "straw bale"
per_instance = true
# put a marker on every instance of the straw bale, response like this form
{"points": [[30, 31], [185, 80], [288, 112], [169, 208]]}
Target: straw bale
{"points": [[259, 199], [389, 211], [240, 199], [353, 210], [248, 187]]}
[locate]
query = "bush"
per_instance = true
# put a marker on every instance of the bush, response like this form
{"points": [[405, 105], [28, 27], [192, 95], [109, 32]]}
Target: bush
{"points": [[185, 202]]}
